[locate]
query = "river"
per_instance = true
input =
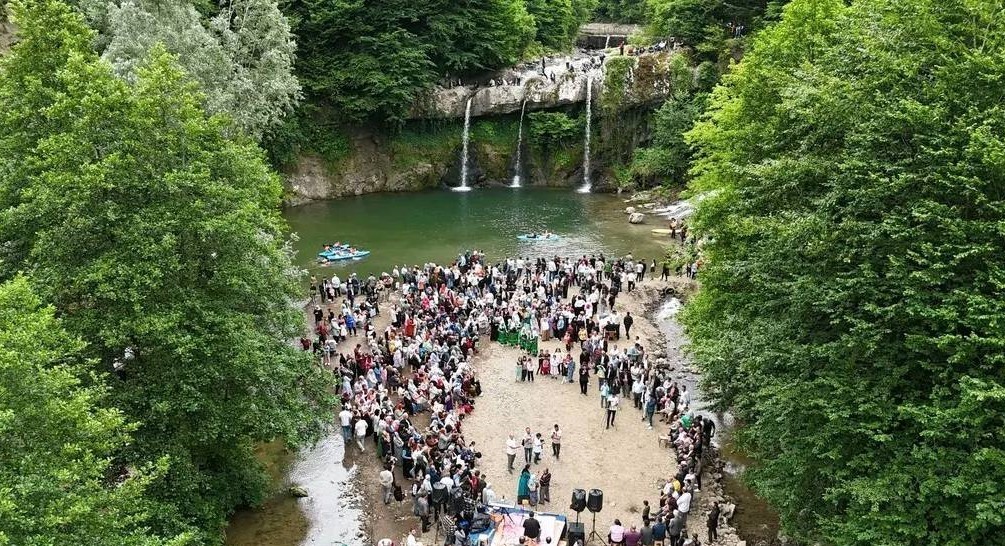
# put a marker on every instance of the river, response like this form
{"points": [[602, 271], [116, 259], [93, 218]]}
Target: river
{"points": [[414, 228]]}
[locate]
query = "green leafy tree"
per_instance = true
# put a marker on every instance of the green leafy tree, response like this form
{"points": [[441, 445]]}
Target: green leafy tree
{"points": [[158, 239], [668, 157], [242, 55], [57, 482], [621, 11], [850, 308], [551, 130], [372, 60]]}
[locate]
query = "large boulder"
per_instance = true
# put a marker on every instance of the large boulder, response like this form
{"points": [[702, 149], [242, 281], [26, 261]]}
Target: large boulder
{"points": [[629, 210], [636, 218]]}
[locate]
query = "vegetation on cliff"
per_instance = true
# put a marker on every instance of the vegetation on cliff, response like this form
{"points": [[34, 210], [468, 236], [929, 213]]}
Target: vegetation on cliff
{"points": [[851, 300]]}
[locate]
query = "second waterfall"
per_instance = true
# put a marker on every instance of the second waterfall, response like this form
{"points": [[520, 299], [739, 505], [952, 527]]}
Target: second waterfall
{"points": [[464, 149], [519, 148], [587, 186]]}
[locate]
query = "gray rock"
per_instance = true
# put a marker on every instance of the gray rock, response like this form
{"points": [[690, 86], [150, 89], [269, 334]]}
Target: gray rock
{"points": [[636, 218], [297, 491]]}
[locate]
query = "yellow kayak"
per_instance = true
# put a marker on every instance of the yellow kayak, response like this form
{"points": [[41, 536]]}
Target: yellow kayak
{"points": [[661, 232]]}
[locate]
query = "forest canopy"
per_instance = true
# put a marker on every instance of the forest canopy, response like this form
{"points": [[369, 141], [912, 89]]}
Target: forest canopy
{"points": [[854, 179]]}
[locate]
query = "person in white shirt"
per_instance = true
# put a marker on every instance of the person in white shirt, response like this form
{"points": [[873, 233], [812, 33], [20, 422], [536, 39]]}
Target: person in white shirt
{"points": [[360, 433], [386, 479], [612, 408], [345, 418], [684, 502], [617, 533], [411, 540], [511, 447]]}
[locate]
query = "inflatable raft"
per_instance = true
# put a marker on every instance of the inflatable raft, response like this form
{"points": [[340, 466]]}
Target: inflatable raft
{"points": [[536, 237], [661, 232], [337, 255]]}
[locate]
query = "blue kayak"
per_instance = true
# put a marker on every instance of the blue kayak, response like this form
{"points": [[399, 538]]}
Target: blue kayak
{"points": [[335, 255], [536, 237]]}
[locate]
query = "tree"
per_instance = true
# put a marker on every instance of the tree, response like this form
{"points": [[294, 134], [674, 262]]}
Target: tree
{"points": [[853, 169], [158, 239], [668, 157], [372, 60], [242, 56], [59, 439], [621, 11], [550, 130]]}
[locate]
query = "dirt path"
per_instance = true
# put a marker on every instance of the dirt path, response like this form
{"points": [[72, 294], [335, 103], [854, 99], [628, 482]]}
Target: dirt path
{"points": [[623, 461]]}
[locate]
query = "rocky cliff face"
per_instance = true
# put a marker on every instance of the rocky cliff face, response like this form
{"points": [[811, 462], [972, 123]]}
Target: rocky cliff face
{"points": [[539, 91], [369, 168]]}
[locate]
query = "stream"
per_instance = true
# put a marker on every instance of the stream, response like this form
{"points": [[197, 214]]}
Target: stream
{"points": [[754, 519]]}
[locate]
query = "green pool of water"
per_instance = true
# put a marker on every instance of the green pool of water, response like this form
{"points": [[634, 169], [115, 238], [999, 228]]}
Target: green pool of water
{"points": [[414, 228]]}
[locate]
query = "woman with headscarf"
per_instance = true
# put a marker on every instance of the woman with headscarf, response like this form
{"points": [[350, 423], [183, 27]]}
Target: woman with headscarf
{"points": [[523, 485]]}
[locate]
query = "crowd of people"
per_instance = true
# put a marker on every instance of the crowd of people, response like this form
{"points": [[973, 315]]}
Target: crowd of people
{"points": [[418, 369]]}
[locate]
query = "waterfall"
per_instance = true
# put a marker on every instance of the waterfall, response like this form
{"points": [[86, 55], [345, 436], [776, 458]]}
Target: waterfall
{"points": [[464, 149], [586, 141], [519, 148], [607, 43]]}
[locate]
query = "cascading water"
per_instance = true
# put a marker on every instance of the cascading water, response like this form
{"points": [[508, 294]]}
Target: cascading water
{"points": [[607, 43], [519, 148], [586, 141], [464, 149]]}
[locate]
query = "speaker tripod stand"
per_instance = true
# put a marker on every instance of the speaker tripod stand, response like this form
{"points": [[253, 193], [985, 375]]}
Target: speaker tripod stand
{"points": [[593, 532]]}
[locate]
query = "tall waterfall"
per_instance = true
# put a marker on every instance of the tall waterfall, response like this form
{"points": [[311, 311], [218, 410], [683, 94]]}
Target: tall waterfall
{"points": [[607, 43], [519, 148], [586, 141], [464, 149]]}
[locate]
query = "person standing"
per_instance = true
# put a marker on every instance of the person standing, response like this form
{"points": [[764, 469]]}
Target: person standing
{"points": [[684, 503], [345, 418], [544, 483], [420, 507], [713, 523], [360, 432], [632, 536], [556, 441], [511, 446], [612, 408], [616, 535], [628, 321], [646, 534], [528, 446], [531, 527], [386, 479], [659, 532], [523, 485], [538, 448], [665, 274], [584, 379], [675, 528], [650, 408]]}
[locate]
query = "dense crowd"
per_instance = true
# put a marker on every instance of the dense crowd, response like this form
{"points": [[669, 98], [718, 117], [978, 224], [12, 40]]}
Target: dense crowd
{"points": [[418, 369]]}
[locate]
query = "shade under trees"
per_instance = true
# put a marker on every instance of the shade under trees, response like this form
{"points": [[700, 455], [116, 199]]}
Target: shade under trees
{"points": [[853, 168]]}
